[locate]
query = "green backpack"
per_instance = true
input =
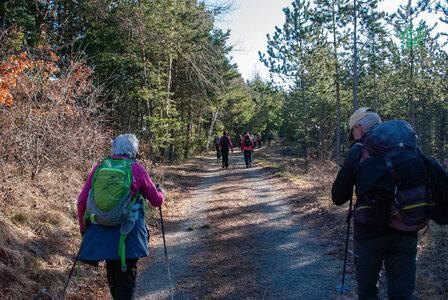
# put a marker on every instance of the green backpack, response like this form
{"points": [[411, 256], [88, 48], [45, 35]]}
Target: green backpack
{"points": [[110, 202]]}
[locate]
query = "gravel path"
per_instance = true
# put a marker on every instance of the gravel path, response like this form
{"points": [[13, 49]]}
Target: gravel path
{"points": [[247, 244]]}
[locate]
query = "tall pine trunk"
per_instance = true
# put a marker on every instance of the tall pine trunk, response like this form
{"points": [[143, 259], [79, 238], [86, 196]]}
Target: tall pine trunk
{"points": [[338, 98]]}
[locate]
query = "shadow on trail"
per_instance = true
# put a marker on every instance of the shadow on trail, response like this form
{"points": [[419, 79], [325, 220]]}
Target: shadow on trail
{"points": [[253, 248]]}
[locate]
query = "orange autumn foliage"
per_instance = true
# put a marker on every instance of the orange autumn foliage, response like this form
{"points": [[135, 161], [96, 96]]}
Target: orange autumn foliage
{"points": [[39, 79], [10, 69]]}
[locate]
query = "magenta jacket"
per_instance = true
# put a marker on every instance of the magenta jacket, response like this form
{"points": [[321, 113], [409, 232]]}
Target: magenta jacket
{"points": [[251, 143], [140, 183]]}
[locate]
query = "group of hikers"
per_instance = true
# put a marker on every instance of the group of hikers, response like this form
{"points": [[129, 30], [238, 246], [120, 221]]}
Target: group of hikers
{"points": [[247, 145], [384, 165]]}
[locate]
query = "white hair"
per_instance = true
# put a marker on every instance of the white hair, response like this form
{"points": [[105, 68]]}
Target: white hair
{"points": [[125, 144]]}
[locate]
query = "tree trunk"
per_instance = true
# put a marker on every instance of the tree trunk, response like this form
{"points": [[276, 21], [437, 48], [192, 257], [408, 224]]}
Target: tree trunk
{"points": [[3, 16], [412, 83], [210, 130], [355, 59], [338, 101]]}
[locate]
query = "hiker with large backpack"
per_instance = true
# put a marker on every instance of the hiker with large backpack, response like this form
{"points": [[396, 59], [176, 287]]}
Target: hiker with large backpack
{"points": [[224, 145], [111, 212], [391, 200], [247, 147]]}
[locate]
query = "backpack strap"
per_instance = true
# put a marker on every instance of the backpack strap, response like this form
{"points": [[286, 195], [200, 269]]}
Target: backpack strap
{"points": [[121, 244]]}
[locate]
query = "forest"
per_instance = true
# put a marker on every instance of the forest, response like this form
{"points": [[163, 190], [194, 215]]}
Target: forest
{"points": [[162, 70], [75, 73]]}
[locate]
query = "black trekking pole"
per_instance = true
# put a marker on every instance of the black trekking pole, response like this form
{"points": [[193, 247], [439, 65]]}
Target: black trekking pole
{"points": [[70, 275], [166, 253], [341, 288]]}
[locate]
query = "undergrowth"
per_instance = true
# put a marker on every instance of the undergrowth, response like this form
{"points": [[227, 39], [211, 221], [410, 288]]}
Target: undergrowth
{"points": [[39, 236]]}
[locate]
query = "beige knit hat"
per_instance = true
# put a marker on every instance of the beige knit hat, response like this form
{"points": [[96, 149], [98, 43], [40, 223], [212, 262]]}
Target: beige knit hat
{"points": [[357, 116]]}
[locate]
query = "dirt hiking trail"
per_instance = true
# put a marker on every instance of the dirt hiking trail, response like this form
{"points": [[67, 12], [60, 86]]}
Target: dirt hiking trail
{"points": [[236, 237]]}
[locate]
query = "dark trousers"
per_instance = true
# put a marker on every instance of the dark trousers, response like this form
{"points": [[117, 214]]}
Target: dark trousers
{"points": [[398, 252], [218, 152], [121, 284], [225, 157], [248, 157]]}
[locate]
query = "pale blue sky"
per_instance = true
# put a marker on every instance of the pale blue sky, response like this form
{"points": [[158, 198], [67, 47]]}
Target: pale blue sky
{"points": [[251, 20]]}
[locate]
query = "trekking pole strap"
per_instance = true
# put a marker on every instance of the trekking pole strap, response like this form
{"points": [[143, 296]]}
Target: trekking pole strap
{"points": [[122, 252]]}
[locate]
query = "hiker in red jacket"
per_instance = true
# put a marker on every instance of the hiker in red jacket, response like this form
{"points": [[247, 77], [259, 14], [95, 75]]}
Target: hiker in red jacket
{"points": [[224, 145], [247, 146]]}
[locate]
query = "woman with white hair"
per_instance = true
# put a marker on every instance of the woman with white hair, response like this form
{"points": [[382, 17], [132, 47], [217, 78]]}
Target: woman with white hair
{"points": [[101, 242]]}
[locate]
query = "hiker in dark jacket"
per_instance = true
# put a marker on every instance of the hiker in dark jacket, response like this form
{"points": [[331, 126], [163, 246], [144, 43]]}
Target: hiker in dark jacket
{"points": [[218, 152], [240, 140], [375, 244], [102, 242], [224, 145], [247, 146]]}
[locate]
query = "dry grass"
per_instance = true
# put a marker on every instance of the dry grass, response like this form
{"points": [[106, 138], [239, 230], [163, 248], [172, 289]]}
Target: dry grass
{"points": [[39, 234]]}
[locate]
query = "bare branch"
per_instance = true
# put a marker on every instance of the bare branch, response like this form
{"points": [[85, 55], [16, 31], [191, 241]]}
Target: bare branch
{"points": [[36, 52]]}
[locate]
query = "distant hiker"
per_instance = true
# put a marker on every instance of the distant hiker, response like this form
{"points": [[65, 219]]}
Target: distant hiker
{"points": [[218, 152], [269, 138], [254, 140], [382, 182], [224, 145], [240, 140], [112, 230], [247, 147], [263, 137], [259, 141]]}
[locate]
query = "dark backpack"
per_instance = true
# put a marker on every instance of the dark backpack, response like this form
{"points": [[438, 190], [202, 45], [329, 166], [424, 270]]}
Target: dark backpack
{"points": [[225, 143], [247, 142], [392, 186], [438, 185]]}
